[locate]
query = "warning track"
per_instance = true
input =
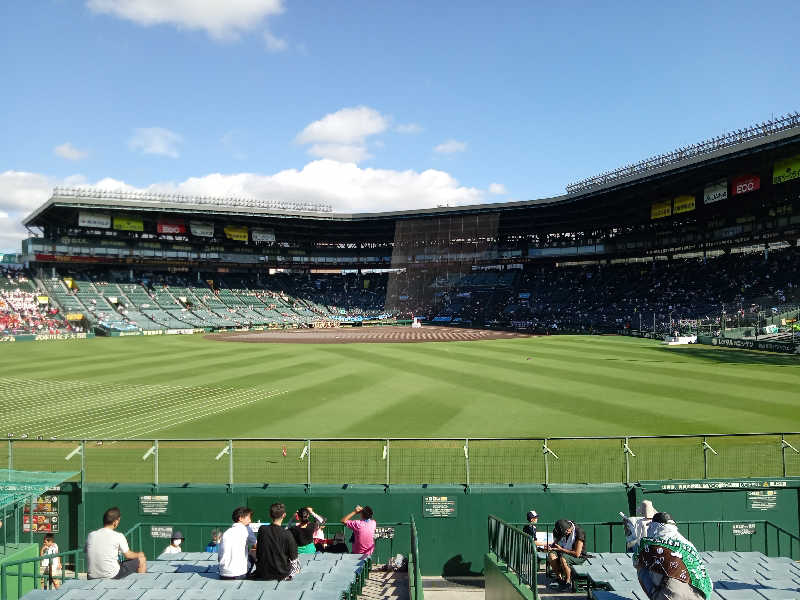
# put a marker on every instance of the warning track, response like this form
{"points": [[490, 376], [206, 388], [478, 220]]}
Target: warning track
{"points": [[361, 335]]}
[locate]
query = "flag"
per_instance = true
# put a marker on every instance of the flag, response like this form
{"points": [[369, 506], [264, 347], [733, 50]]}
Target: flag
{"points": [[283, 451]]}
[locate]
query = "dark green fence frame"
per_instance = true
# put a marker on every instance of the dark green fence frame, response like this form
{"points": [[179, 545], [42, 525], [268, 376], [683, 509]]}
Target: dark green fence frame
{"points": [[516, 549]]}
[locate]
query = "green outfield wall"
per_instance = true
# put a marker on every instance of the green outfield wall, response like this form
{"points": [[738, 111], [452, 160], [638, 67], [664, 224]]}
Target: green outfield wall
{"points": [[451, 520]]}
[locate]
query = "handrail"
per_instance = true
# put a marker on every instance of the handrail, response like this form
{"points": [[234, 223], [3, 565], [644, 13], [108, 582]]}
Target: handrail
{"points": [[415, 589], [35, 572], [516, 549]]}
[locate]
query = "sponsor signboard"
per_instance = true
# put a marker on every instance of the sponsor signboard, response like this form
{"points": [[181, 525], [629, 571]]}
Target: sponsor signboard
{"points": [[128, 224], [74, 317], [201, 229], [745, 184], [757, 345], [786, 170], [438, 506], [263, 235], [171, 226], [236, 232], [659, 210], [95, 220], [683, 204], [762, 500], [42, 299], [42, 517], [153, 505], [715, 192]]}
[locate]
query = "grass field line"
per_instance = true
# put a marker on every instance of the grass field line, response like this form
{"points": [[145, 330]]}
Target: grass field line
{"points": [[121, 406]]}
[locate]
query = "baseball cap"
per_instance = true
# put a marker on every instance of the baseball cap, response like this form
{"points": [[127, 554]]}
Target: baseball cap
{"points": [[177, 535], [532, 514], [560, 528]]}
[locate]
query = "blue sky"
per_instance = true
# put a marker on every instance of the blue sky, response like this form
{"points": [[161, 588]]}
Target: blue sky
{"points": [[372, 105]]}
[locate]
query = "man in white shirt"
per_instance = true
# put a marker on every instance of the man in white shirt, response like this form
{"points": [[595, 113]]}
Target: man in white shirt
{"points": [[235, 545], [103, 547]]}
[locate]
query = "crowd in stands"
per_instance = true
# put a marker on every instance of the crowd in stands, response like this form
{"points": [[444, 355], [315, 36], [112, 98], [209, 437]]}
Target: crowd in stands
{"points": [[246, 550], [21, 312]]}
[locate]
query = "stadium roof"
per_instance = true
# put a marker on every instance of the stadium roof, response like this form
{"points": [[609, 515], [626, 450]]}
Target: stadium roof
{"points": [[775, 133]]}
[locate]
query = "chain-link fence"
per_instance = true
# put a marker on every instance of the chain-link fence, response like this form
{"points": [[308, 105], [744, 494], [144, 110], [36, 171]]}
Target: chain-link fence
{"points": [[413, 461]]}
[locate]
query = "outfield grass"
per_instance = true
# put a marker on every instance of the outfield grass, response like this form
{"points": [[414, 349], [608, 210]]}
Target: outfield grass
{"points": [[192, 387]]}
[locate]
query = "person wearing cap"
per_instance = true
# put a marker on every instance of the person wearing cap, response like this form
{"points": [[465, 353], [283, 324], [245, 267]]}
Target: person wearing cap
{"points": [[174, 543], [568, 549], [668, 565], [530, 528]]}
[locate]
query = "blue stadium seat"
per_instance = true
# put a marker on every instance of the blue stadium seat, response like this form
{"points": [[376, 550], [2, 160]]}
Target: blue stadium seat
{"points": [[80, 584], [44, 595], [113, 584], [201, 594], [241, 595], [123, 594], [77, 594]]}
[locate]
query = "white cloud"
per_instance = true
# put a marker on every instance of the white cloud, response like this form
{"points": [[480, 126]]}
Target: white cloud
{"points": [[274, 43], [70, 152], [451, 147], [156, 140], [408, 128], [344, 185], [342, 135], [497, 189], [221, 19]]}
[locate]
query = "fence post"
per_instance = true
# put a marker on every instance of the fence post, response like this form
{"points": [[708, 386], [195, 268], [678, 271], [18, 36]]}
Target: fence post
{"points": [[546, 464], [466, 457], [230, 463], [308, 463], [625, 450], [155, 462], [10, 455], [387, 462]]}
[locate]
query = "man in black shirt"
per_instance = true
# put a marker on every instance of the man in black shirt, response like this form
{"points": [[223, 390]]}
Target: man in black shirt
{"points": [[568, 549], [276, 550]]}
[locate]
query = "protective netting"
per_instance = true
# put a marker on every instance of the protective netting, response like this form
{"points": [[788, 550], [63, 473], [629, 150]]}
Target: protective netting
{"points": [[349, 461], [666, 458], [506, 461], [17, 486], [269, 462], [586, 461], [193, 462]]}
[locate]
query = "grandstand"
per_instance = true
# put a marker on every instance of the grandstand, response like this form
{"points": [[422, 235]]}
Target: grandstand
{"points": [[703, 240]]}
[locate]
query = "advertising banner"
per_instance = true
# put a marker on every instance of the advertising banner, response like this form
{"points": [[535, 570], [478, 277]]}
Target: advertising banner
{"points": [[42, 299], [74, 317], [263, 235], [745, 184], [659, 210], [684, 204], [201, 229], [128, 224], [786, 170], [92, 219], [170, 226], [715, 192], [236, 232]]}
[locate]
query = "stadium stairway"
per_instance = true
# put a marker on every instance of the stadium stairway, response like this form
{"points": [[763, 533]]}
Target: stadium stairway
{"points": [[385, 585]]}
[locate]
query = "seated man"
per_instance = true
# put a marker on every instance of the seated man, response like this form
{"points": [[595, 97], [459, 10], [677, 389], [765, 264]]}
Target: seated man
{"points": [[668, 565], [235, 545], [276, 549], [568, 548], [103, 547]]}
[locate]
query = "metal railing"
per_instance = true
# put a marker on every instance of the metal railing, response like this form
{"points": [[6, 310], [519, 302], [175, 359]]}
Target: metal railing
{"points": [[17, 569], [398, 461], [415, 590], [516, 549]]}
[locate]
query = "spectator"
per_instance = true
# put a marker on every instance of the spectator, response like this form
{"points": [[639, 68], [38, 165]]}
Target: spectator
{"points": [[363, 530], [567, 549], [103, 547], [213, 544], [276, 552], [530, 528], [175, 543], [668, 565], [50, 566], [304, 530], [235, 544]]}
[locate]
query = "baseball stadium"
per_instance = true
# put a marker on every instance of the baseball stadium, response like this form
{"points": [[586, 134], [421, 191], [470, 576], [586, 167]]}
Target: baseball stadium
{"points": [[632, 342]]}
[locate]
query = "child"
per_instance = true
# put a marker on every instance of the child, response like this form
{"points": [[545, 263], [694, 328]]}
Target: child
{"points": [[213, 545], [50, 566], [175, 543]]}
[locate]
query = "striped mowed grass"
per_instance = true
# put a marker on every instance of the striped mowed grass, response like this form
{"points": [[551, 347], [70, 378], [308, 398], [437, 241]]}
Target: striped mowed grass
{"points": [[179, 387]]}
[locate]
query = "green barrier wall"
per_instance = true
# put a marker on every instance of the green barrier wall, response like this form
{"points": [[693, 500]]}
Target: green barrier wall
{"points": [[452, 543]]}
